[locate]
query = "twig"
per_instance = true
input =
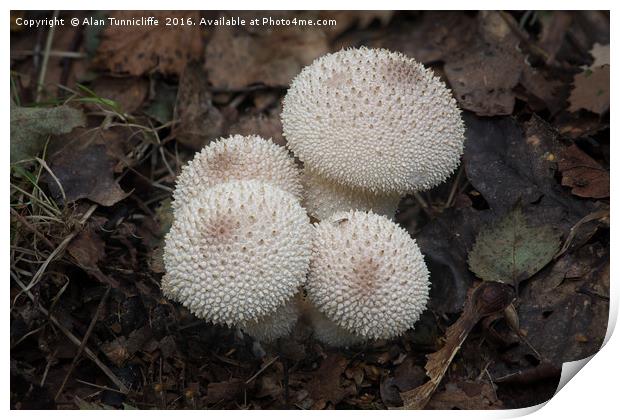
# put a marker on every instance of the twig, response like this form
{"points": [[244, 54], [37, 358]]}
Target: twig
{"points": [[46, 56], [31, 228], [261, 370], [121, 386], [455, 185], [59, 249], [83, 343], [422, 202]]}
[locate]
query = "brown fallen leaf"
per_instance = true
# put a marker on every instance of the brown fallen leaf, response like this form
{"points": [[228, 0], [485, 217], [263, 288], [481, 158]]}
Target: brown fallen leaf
{"points": [[466, 395], [223, 391], [591, 90], [88, 249], [199, 121], [139, 49], [584, 175], [486, 299], [128, 92], [325, 384], [268, 126], [85, 165], [236, 58], [433, 37], [483, 76]]}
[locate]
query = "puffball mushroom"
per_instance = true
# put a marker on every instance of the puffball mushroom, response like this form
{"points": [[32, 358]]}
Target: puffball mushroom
{"points": [[238, 158], [276, 325], [367, 275], [237, 252], [323, 197], [375, 120], [328, 332]]}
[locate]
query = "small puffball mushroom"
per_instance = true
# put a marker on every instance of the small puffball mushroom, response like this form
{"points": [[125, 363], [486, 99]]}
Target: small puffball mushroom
{"points": [[375, 120], [276, 325], [237, 251], [323, 197], [367, 275], [328, 332], [238, 158]]}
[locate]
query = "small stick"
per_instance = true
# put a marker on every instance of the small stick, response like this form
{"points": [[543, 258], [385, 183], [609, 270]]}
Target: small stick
{"points": [[121, 386], [31, 228], [261, 370], [83, 343], [46, 56]]}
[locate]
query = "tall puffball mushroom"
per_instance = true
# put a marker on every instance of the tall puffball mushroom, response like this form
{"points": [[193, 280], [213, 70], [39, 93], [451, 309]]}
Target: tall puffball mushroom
{"points": [[323, 197], [278, 324], [236, 252], [237, 158], [367, 275], [328, 332], [375, 120]]}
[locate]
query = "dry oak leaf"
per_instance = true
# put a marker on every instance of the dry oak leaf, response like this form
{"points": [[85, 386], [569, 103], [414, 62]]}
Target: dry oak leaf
{"points": [[137, 50], [591, 90], [585, 176]]}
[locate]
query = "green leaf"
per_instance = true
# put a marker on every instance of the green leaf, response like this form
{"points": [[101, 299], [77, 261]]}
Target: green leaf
{"points": [[511, 250], [30, 128]]}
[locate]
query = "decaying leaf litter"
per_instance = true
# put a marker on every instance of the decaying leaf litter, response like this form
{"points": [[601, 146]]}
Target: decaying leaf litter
{"points": [[90, 205]]}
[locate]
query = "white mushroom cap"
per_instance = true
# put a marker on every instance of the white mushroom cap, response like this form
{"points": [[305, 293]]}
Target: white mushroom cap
{"points": [[323, 197], [276, 325], [238, 158], [237, 252], [375, 120], [367, 275], [329, 333]]}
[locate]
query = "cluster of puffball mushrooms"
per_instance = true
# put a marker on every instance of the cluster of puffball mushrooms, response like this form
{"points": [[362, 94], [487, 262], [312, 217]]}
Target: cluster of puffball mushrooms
{"points": [[370, 126]]}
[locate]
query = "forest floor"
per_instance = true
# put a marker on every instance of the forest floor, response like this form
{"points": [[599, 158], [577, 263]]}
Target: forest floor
{"points": [[103, 118]]}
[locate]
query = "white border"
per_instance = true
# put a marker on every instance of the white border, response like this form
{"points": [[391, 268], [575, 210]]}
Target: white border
{"points": [[591, 395]]}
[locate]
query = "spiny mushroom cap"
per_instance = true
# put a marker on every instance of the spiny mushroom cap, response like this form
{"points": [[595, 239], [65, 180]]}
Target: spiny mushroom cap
{"points": [[323, 197], [373, 119], [237, 252], [328, 332], [367, 275], [276, 325], [238, 158]]}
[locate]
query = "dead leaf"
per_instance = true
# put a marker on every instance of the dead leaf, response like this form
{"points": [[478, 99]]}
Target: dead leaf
{"points": [[87, 248], [591, 90], [600, 53], [585, 176], [506, 163], [483, 76], [512, 249], [466, 395], [486, 299], [268, 126], [199, 120], [223, 391], [139, 49], [31, 127], [325, 384], [236, 58], [128, 92], [433, 37], [85, 166]]}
